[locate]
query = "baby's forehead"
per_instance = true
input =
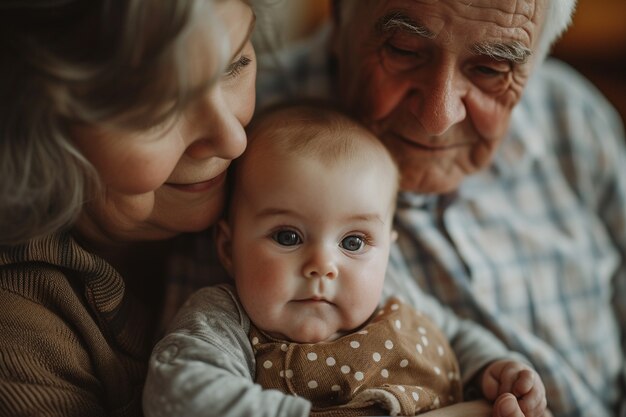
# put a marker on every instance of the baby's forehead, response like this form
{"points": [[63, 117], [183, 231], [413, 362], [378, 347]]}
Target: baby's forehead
{"points": [[325, 142], [316, 133]]}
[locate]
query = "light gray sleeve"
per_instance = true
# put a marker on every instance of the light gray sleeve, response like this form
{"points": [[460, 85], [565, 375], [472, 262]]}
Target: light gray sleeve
{"points": [[474, 345], [205, 365]]}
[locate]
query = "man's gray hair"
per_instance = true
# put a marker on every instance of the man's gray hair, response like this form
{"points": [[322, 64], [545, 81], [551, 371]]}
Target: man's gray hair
{"points": [[558, 19]]}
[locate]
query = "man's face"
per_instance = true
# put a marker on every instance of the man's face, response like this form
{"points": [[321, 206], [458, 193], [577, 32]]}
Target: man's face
{"points": [[437, 80]]}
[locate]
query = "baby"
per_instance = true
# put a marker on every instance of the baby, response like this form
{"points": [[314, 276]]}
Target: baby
{"points": [[307, 240]]}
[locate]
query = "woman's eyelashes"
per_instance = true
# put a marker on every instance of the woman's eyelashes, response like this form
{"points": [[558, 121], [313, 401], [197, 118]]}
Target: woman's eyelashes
{"points": [[235, 68]]}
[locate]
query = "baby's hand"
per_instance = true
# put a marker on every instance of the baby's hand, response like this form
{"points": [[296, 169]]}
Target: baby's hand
{"points": [[512, 377]]}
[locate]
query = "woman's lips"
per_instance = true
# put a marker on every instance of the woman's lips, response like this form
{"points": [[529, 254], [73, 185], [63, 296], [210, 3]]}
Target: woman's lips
{"points": [[199, 187]]}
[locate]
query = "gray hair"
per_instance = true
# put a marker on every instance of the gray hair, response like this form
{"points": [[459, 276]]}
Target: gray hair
{"points": [[73, 62], [558, 19]]}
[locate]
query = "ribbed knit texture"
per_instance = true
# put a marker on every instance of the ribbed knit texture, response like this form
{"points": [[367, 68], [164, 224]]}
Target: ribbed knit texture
{"points": [[72, 341]]}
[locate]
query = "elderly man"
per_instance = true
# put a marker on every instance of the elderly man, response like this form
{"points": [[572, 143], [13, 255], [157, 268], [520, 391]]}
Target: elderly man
{"points": [[513, 169]]}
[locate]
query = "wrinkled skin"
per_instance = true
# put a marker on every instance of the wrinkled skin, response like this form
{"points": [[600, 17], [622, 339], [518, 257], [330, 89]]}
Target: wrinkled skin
{"points": [[440, 105]]}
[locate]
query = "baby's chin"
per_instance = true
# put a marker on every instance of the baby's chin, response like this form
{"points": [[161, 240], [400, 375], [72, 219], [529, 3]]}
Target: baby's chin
{"points": [[310, 334]]}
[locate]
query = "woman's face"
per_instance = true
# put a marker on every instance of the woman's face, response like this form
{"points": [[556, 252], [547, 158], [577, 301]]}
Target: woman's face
{"points": [[167, 180]]}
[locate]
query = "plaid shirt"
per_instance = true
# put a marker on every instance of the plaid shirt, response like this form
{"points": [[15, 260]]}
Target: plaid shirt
{"points": [[533, 247]]}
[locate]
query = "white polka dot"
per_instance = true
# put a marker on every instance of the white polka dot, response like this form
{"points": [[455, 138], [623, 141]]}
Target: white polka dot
{"points": [[394, 307], [282, 374], [289, 373], [404, 363], [419, 348], [424, 340], [388, 344], [283, 347], [312, 384], [354, 344], [267, 364], [330, 361], [255, 341], [440, 350], [345, 369], [401, 388], [335, 388], [437, 370], [359, 376], [363, 332], [421, 330], [312, 356], [376, 357], [451, 376], [398, 324], [436, 403], [384, 373], [415, 396]]}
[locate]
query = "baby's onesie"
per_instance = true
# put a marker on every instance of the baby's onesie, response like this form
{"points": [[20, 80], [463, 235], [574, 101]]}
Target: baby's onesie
{"points": [[399, 363]]}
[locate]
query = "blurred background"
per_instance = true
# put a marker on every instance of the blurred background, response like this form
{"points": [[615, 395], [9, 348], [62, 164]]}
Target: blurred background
{"points": [[595, 44]]}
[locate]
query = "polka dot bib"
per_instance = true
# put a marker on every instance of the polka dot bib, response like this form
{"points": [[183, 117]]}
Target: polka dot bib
{"points": [[399, 363]]}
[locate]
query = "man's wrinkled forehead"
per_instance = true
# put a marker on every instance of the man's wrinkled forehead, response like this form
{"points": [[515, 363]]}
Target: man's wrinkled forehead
{"points": [[507, 28]]}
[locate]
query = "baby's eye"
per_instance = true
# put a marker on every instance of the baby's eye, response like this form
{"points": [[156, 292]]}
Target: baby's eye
{"points": [[352, 243], [287, 238]]}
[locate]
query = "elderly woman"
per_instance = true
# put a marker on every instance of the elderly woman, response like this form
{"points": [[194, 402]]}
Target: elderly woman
{"points": [[118, 121]]}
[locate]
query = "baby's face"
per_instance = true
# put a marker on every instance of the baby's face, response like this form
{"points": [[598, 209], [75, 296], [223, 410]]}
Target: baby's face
{"points": [[310, 244]]}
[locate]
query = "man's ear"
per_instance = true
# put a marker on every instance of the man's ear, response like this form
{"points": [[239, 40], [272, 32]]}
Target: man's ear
{"points": [[223, 240]]}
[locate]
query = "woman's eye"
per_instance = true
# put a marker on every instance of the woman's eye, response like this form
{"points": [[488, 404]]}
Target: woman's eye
{"points": [[235, 68], [352, 243], [287, 238]]}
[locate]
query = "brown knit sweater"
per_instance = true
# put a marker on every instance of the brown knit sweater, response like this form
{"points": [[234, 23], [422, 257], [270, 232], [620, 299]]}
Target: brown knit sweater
{"points": [[72, 340]]}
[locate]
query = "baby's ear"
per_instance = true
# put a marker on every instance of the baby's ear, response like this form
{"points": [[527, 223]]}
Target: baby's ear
{"points": [[224, 246], [394, 235]]}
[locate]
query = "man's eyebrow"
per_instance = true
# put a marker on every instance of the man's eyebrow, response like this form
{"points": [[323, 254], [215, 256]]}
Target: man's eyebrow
{"points": [[513, 52], [400, 20]]}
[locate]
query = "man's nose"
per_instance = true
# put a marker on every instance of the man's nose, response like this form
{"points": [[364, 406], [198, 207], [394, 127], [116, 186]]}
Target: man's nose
{"points": [[320, 264], [438, 100], [215, 129]]}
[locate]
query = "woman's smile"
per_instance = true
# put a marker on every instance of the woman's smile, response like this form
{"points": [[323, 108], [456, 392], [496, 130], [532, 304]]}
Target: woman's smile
{"points": [[201, 186]]}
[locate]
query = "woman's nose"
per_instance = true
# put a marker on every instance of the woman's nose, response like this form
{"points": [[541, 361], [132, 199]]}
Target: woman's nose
{"points": [[438, 102], [320, 265], [216, 131]]}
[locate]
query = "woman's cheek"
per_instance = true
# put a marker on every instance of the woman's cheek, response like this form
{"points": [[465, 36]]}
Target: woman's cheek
{"points": [[139, 174]]}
